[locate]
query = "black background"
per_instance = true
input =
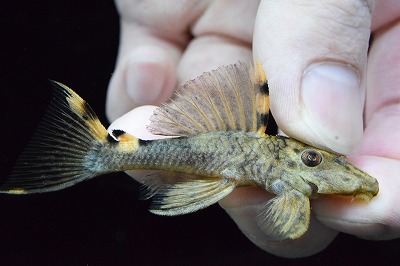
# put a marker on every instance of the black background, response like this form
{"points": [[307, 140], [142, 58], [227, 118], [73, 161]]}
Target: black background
{"points": [[102, 221]]}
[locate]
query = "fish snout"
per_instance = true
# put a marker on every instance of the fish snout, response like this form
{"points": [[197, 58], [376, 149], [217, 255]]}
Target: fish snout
{"points": [[367, 190]]}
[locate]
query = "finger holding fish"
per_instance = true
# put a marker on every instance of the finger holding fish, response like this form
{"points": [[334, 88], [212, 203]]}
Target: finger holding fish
{"points": [[319, 85], [379, 153]]}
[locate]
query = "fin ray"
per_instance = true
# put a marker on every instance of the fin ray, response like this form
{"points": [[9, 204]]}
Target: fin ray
{"points": [[54, 158], [221, 100], [177, 193], [286, 216]]}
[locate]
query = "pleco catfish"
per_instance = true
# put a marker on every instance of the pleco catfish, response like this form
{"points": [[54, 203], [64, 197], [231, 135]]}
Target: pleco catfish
{"points": [[220, 118]]}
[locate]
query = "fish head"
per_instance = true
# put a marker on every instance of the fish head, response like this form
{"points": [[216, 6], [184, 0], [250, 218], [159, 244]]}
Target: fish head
{"points": [[324, 172]]}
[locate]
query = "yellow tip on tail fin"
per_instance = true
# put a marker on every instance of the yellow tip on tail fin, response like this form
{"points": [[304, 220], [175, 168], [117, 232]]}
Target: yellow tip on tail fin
{"points": [[82, 109], [55, 157]]}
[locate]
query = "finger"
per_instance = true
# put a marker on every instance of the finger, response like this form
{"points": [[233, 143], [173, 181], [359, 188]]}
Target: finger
{"points": [[382, 112], [314, 54], [385, 13], [380, 155], [315, 65], [219, 38], [145, 76], [153, 36], [152, 43]]}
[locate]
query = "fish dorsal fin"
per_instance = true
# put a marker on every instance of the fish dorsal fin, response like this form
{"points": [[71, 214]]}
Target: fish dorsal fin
{"points": [[230, 98]]}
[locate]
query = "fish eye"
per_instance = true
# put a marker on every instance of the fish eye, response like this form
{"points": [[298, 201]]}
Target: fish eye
{"points": [[311, 158]]}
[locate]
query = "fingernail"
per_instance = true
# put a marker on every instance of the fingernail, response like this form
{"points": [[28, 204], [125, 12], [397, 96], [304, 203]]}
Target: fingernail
{"points": [[333, 101], [145, 77]]}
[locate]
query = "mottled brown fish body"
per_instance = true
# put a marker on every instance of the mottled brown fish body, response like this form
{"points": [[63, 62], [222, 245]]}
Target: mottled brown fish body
{"points": [[201, 169], [243, 158]]}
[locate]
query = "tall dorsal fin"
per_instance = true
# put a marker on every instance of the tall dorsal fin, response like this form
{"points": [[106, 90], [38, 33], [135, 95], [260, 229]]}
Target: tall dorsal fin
{"points": [[230, 98]]}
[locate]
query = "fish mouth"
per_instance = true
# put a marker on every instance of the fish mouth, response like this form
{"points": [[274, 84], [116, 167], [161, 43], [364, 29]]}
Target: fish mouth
{"points": [[364, 196], [366, 193]]}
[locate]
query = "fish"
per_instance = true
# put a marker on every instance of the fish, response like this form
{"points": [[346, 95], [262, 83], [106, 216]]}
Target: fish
{"points": [[218, 126]]}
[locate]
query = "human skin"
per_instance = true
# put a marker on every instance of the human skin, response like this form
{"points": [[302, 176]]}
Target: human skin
{"points": [[326, 87]]}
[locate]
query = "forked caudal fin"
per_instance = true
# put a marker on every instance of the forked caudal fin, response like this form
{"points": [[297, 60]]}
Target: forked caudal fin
{"points": [[54, 159]]}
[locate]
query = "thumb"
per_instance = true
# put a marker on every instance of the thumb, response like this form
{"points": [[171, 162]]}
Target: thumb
{"points": [[314, 54]]}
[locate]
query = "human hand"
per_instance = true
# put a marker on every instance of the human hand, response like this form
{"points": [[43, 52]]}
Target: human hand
{"points": [[162, 46]]}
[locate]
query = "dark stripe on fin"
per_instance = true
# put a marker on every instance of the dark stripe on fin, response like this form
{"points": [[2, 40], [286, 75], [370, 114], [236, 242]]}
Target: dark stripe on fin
{"points": [[264, 89], [117, 133], [55, 157], [111, 139], [262, 98], [264, 120]]}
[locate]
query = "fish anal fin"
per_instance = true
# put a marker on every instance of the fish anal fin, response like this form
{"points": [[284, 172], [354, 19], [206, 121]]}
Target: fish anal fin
{"points": [[177, 194], [287, 216]]}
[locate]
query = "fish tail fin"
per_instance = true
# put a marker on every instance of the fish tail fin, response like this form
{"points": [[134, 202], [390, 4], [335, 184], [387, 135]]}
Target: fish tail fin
{"points": [[57, 155]]}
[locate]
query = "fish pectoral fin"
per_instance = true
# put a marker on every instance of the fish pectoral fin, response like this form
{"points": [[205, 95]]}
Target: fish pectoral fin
{"points": [[286, 216], [189, 195]]}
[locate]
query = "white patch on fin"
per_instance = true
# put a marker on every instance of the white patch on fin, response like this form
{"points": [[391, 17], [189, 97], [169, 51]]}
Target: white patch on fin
{"points": [[286, 216], [221, 100]]}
